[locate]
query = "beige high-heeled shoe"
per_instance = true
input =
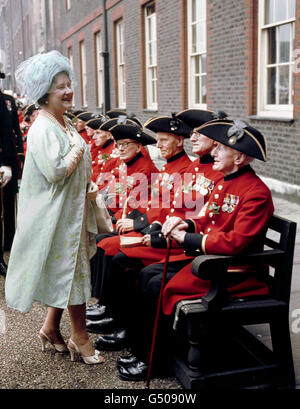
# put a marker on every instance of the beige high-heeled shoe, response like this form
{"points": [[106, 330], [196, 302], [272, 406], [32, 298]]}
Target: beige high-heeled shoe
{"points": [[61, 348], [89, 360]]}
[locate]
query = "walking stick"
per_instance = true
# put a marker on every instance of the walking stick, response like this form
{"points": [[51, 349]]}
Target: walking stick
{"points": [[158, 312]]}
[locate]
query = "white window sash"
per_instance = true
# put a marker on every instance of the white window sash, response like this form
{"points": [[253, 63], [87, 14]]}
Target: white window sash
{"points": [[120, 65], [99, 69], [151, 61], [71, 59], [83, 74], [68, 4], [191, 62], [263, 108]]}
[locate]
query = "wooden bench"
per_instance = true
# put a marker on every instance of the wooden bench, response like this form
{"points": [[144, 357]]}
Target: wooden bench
{"points": [[214, 349]]}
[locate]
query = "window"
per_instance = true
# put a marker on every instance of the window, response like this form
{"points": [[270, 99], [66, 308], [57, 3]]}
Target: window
{"points": [[120, 62], [68, 4], [70, 57], [197, 53], [99, 69], [276, 42], [151, 57], [83, 73]]}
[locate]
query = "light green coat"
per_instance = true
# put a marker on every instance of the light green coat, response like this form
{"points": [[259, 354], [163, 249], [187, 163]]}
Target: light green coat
{"points": [[48, 246]]}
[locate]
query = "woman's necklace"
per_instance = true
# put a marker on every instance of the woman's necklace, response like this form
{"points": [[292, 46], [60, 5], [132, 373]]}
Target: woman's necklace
{"points": [[52, 118]]}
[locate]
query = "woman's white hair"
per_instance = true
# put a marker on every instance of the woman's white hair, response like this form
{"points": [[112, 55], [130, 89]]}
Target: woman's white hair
{"points": [[35, 75]]}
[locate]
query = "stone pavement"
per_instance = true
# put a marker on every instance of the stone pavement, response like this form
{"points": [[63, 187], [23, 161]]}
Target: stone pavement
{"points": [[24, 366]]}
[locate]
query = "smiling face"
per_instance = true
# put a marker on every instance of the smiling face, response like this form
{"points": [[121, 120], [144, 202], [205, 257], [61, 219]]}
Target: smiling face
{"points": [[60, 94], [226, 159], [169, 144]]}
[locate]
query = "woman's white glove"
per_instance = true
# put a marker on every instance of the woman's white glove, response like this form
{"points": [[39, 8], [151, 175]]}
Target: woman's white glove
{"points": [[6, 175], [74, 156]]}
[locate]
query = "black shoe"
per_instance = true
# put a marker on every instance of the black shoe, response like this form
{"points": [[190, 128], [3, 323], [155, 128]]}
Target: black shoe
{"points": [[125, 360], [137, 371], [97, 313], [92, 307], [113, 342], [3, 269], [102, 326]]}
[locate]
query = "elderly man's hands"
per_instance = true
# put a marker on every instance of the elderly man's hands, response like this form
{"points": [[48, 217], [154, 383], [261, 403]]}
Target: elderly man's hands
{"points": [[124, 225], [175, 228]]}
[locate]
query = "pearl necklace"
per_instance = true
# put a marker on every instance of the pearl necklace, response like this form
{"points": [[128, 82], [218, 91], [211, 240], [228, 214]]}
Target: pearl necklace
{"points": [[52, 118]]}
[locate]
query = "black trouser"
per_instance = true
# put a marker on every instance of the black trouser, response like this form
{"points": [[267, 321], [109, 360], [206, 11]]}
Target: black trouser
{"points": [[100, 267], [7, 210], [132, 299], [121, 287], [141, 328]]}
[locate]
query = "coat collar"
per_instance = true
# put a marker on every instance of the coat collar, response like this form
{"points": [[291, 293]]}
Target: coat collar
{"points": [[177, 156], [238, 173], [133, 160]]}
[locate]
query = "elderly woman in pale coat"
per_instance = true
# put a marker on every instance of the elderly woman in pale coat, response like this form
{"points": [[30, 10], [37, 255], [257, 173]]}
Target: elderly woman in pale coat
{"points": [[56, 228]]}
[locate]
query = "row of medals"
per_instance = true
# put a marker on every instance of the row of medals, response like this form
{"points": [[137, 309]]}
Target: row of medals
{"points": [[230, 201]]}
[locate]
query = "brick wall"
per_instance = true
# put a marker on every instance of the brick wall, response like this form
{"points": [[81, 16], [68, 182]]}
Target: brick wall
{"points": [[231, 66]]}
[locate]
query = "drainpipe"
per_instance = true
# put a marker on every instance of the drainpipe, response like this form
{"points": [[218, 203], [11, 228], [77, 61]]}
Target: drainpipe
{"points": [[105, 55], [23, 33]]}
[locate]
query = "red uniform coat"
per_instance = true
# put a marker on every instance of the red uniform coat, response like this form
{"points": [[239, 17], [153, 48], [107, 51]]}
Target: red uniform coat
{"points": [[204, 175], [100, 156], [85, 136], [127, 182], [161, 184], [235, 220], [199, 181]]}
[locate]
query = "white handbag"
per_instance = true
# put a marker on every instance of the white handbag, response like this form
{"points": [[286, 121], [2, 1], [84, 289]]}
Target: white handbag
{"points": [[103, 218]]}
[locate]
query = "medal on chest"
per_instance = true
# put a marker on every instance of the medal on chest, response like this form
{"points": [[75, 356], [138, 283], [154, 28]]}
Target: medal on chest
{"points": [[230, 201]]}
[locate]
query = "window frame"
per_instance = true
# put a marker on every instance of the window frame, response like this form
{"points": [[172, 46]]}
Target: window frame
{"points": [[98, 49], [83, 74], [70, 56], [150, 79], [263, 108], [120, 63], [191, 58], [68, 4]]}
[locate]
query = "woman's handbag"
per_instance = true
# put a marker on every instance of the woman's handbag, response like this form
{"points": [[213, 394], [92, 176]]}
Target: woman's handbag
{"points": [[103, 218]]}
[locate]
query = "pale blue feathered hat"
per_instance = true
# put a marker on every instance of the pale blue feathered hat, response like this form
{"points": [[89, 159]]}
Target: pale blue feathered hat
{"points": [[35, 75]]}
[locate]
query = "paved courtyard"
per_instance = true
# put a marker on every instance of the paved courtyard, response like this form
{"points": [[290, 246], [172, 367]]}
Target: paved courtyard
{"points": [[24, 366]]}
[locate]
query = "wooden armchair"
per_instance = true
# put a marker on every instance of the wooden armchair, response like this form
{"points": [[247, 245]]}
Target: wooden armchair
{"points": [[214, 349]]}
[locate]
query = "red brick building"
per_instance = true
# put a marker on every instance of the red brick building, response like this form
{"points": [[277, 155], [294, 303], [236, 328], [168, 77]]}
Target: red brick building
{"points": [[154, 57]]}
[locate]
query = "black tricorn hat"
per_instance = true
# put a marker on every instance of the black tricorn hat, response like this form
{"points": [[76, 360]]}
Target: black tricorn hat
{"points": [[77, 112], [120, 120], [169, 124], [114, 113], [197, 117], [85, 116], [95, 123], [132, 131], [117, 113], [69, 115], [237, 135], [30, 109]]}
